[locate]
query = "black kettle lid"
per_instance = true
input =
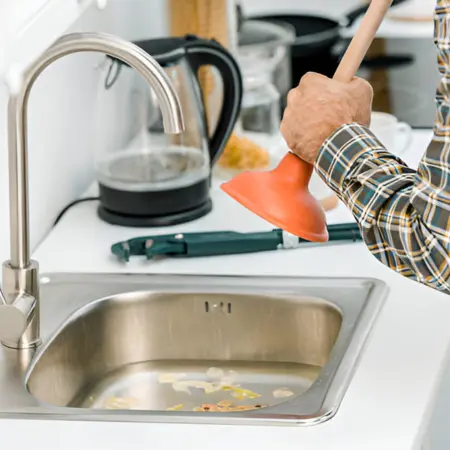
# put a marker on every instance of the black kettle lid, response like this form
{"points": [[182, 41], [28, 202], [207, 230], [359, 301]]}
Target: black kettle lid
{"points": [[168, 48]]}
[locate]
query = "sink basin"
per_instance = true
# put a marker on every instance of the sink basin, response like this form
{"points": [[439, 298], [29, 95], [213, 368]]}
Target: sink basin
{"points": [[119, 348], [198, 349]]}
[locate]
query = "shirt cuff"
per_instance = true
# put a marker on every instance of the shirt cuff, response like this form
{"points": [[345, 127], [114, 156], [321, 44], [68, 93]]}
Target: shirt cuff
{"points": [[342, 150]]}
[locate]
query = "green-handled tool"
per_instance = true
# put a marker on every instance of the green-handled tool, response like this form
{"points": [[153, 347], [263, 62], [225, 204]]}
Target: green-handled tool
{"points": [[217, 243]]}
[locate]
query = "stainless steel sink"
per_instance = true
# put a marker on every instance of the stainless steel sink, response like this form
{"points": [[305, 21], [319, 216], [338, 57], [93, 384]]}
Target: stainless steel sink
{"points": [[157, 348]]}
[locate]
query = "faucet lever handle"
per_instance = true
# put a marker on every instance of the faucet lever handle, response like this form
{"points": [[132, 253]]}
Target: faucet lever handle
{"points": [[15, 317]]}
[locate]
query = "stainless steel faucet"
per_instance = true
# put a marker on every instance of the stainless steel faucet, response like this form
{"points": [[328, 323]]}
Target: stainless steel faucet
{"points": [[19, 301]]}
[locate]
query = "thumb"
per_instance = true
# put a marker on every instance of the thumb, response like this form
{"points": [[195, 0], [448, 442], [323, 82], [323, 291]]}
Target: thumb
{"points": [[361, 89]]}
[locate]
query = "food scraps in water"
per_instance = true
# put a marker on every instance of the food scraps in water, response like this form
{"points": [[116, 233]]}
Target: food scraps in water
{"points": [[242, 394], [282, 393], [120, 402], [221, 383], [170, 377], [215, 373], [224, 403], [176, 407], [226, 406], [209, 388], [184, 386], [179, 386]]}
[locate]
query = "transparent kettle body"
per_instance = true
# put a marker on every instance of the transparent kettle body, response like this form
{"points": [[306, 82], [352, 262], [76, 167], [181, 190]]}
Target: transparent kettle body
{"points": [[132, 152]]}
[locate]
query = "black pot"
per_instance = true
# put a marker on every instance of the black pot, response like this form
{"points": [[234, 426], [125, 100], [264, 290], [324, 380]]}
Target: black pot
{"points": [[319, 44]]}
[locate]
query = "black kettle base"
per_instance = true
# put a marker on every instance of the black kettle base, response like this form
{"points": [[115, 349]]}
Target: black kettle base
{"points": [[114, 218]]}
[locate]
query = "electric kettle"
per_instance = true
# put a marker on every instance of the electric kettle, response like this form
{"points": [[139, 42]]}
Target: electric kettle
{"points": [[149, 178]]}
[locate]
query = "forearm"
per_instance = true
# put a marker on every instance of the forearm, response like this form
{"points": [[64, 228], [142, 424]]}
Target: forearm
{"points": [[404, 214], [402, 220]]}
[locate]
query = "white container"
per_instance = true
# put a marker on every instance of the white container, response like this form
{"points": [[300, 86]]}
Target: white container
{"points": [[396, 136]]}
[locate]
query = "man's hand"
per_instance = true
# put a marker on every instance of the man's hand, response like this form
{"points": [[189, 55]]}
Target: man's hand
{"points": [[318, 106]]}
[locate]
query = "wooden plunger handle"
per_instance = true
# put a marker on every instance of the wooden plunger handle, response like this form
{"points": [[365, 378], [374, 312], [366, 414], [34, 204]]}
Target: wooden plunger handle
{"points": [[353, 57], [362, 40]]}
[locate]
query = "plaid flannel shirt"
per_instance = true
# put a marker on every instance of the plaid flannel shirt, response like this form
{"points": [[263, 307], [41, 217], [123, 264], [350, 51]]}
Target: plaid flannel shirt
{"points": [[404, 214]]}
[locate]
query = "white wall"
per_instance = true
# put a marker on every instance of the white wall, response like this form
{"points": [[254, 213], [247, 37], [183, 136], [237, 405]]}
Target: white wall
{"points": [[333, 8], [412, 88], [60, 116]]}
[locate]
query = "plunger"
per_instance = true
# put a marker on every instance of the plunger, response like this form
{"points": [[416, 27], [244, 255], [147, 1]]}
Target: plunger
{"points": [[281, 196]]}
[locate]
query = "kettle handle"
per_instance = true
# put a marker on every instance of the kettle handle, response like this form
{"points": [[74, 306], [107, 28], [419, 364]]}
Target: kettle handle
{"points": [[202, 52]]}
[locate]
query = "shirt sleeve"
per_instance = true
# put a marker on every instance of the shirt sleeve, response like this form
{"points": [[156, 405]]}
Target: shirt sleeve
{"points": [[403, 213]]}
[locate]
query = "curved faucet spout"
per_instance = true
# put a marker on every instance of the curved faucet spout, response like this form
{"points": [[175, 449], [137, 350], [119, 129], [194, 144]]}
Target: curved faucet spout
{"points": [[19, 306], [17, 118]]}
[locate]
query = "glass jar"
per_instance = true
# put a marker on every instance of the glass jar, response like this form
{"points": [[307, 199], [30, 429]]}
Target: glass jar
{"points": [[268, 45], [260, 111]]}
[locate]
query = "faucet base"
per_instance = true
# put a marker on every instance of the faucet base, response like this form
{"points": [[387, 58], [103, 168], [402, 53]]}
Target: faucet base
{"points": [[16, 282]]}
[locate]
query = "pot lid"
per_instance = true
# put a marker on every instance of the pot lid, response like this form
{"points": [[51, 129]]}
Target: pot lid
{"points": [[263, 33]]}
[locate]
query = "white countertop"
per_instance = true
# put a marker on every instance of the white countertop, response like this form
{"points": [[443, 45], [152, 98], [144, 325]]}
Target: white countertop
{"points": [[389, 395]]}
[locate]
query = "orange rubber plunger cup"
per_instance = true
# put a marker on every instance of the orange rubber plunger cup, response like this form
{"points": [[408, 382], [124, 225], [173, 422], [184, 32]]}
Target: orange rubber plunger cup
{"points": [[281, 196]]}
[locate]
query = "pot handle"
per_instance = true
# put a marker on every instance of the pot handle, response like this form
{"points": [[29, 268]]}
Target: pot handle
{"points": [[202, 52], [240, 18], [387, 62], [355, 14]]}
